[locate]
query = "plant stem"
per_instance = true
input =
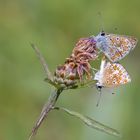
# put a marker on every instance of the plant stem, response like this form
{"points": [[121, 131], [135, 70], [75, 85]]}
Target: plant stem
{"points": [[46, 109], [43, 62]]}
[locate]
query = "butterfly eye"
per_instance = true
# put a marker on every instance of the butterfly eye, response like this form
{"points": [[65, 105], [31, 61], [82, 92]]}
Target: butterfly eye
{"points": [[99, 87], [103, 34]]}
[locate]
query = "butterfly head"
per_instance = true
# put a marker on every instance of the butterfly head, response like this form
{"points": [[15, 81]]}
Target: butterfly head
{"points": [[102, 33], [99, 86]]}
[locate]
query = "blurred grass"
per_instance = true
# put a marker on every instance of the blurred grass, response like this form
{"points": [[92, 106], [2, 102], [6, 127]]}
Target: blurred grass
{"points": [[55, 26]]}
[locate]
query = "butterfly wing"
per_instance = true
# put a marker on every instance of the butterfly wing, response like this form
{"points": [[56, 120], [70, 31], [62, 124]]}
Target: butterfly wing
{"points": [[114, 75], [99, 74], [118, 46]]}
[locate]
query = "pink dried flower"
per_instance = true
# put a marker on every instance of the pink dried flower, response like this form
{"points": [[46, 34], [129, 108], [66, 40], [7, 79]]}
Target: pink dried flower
{"points": [[78, 64]]}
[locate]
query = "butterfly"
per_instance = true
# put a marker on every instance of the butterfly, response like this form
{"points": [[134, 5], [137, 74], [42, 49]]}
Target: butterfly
{"points": [[111, 75], [115, 47]]}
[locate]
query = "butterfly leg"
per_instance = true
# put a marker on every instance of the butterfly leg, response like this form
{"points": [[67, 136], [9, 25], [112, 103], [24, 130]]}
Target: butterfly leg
{"points": [[99, 88]]}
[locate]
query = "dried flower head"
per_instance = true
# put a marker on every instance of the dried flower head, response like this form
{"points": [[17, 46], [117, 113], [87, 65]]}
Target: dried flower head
{"points": [[78, 64]]}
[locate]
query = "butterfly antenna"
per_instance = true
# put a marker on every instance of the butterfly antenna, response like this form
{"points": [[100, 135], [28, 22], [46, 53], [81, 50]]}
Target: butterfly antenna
{"points": [[101, 21], [99, 98], [116, 29]]}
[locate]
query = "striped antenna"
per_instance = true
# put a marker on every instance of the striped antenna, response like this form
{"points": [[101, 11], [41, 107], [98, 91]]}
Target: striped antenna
{"points": [[101, 21]]}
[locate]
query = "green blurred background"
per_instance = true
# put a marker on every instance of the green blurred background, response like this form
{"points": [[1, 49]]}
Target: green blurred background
{"points": [[55, 26]]}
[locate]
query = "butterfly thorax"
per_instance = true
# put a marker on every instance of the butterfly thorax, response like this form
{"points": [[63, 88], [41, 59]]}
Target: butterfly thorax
{"points": [[101, 42]]}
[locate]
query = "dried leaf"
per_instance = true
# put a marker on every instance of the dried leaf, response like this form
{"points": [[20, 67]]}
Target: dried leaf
{"points": [[91, 122]]}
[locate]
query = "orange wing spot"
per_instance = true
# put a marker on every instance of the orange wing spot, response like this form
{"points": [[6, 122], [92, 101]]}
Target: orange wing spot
{"points": [[115, 67], [112, 50], [117, 55], [125, 81], [125, 48]]}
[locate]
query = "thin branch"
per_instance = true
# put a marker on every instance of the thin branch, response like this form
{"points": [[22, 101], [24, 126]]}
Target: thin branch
{"points": [[46, 109], [43, 62]]}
